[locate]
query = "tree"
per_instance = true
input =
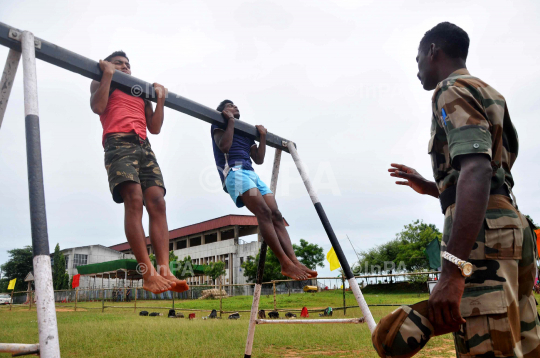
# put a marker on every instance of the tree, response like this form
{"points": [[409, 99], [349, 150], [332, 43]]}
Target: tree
{"points": [[404, 253], [272, 267], [532, 222], [60, 276], [18, 266], [215, 269], [183, 269], [311, 255]]}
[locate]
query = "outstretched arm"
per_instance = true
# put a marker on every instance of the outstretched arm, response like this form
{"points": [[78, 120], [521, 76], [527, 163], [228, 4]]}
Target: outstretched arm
{"points": [[154, 119], [100, 90], [224, 138], [413, 179], [258, 153]]}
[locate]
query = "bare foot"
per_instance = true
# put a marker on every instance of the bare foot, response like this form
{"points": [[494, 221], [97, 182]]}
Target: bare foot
{"points": [[311, 273], [291, 270], [181, 285], [157, 284]]}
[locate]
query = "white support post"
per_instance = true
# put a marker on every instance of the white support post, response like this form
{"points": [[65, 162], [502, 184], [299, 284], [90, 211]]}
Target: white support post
{"points": [[309, 321], [46, 311], [20, 349], [6, 83], [260, 269]]}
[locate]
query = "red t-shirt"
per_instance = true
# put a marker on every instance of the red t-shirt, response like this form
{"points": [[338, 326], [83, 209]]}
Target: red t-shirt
{"points": [[124, 114]]}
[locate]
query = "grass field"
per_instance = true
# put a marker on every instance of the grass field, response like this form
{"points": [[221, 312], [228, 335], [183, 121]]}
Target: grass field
{"points": [[123, 333]]}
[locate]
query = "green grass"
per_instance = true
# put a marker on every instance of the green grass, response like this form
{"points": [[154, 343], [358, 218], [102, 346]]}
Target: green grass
{"points": [[123, 333]]}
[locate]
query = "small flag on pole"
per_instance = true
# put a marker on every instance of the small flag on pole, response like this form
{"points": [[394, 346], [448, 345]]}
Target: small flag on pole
{"points": [[76, 279], [333, 259], [11, 285]]}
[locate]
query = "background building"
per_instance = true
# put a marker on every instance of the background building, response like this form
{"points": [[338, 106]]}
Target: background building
{"points": [[211, 241], [91, 254]]}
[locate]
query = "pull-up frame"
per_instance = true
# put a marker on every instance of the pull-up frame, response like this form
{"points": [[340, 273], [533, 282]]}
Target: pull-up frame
{"points": [[33, 48]]}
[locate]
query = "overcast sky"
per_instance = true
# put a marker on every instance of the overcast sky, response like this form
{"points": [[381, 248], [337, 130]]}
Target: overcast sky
{"points": [[336, 77]]}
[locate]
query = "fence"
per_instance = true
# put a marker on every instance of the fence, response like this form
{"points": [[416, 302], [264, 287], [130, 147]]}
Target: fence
{"points": [[72, 298]]}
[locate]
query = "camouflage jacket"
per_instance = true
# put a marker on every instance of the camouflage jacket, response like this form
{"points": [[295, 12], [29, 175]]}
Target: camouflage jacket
{"points": [[469, 116]]}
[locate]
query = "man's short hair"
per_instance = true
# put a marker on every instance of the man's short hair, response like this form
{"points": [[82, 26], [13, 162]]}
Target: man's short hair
{"points": [[222, 105], [116, 53], [450, 38]]}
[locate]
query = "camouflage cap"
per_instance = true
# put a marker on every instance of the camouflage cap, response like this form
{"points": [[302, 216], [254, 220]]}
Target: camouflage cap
{"points": [[403, 332]]}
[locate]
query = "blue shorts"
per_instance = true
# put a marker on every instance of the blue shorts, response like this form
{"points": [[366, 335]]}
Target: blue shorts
{"points": [[239, 181]]}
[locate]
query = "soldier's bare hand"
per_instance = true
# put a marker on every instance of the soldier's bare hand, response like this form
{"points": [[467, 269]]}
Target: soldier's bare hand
{"points": [[161, 91], [444, 303], [412, 178], [262, 130]]}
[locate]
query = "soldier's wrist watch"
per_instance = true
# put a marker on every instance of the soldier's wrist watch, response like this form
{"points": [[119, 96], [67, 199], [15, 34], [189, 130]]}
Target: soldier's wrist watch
{"points": [[465, 267]]}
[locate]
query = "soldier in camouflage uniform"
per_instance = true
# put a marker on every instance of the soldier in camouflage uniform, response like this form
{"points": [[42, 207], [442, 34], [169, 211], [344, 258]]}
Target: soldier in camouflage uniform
{"points": [[473, 146]]}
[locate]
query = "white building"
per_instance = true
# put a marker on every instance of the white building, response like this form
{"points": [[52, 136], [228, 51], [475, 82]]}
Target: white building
{"points": [[211, 241], [91, 254]]}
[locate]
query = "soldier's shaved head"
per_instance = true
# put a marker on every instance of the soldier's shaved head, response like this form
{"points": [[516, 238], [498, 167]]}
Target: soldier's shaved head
{"points": [[442, 50], [451, 39]]}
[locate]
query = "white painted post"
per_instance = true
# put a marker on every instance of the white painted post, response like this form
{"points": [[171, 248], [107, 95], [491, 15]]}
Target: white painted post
{"points": [[46, 311], [6, 83]]}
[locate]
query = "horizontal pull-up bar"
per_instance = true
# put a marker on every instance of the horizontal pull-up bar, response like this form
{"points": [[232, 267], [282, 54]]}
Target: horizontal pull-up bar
{"points": [[58, 56]]}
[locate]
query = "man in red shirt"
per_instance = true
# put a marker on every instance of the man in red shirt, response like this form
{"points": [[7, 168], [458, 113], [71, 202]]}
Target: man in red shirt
{"points": [[135, 178]]}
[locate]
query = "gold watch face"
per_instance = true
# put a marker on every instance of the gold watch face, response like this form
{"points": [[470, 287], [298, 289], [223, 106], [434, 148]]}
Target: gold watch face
{"points": [[467, 269]]}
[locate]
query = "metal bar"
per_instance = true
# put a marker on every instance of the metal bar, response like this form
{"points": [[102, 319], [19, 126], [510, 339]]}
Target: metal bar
{"points": [[71, 61], [308, 321], [260, 268], [46, 312], [6, 83], [16, 348], [332, 236]]}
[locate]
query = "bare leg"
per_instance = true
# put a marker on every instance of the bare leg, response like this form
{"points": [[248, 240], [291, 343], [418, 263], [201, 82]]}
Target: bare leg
{"points": [[256, 204], [131, 192], [159, 235], [283, 235]]}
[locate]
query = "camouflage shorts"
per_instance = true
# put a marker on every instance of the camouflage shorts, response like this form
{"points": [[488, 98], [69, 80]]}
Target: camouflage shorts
{"points": [[498, 303], [127, 158]]}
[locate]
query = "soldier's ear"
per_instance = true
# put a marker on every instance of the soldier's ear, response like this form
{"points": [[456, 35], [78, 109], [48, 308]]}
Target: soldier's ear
{"points": [[433, 51]]}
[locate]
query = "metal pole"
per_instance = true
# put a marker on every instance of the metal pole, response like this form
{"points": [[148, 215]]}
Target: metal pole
{"points": [[6, 83], [102, 300], [332, 236], [260, 269], [71, 61], [17, 349], [11, 302], [46, 311], [344, 304], [220, 299], [76, 296]]}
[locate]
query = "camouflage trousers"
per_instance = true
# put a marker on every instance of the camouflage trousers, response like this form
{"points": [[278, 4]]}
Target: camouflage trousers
{"points": [[498, 302], [129, 158]]}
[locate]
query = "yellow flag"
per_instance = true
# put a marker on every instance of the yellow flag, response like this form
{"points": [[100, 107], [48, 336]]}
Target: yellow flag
{"points": [[11, 285], [332, 259]]}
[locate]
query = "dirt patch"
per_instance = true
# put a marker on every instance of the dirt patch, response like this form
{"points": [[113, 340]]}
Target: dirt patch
{"points": [[69, 309], [294, 353]]}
